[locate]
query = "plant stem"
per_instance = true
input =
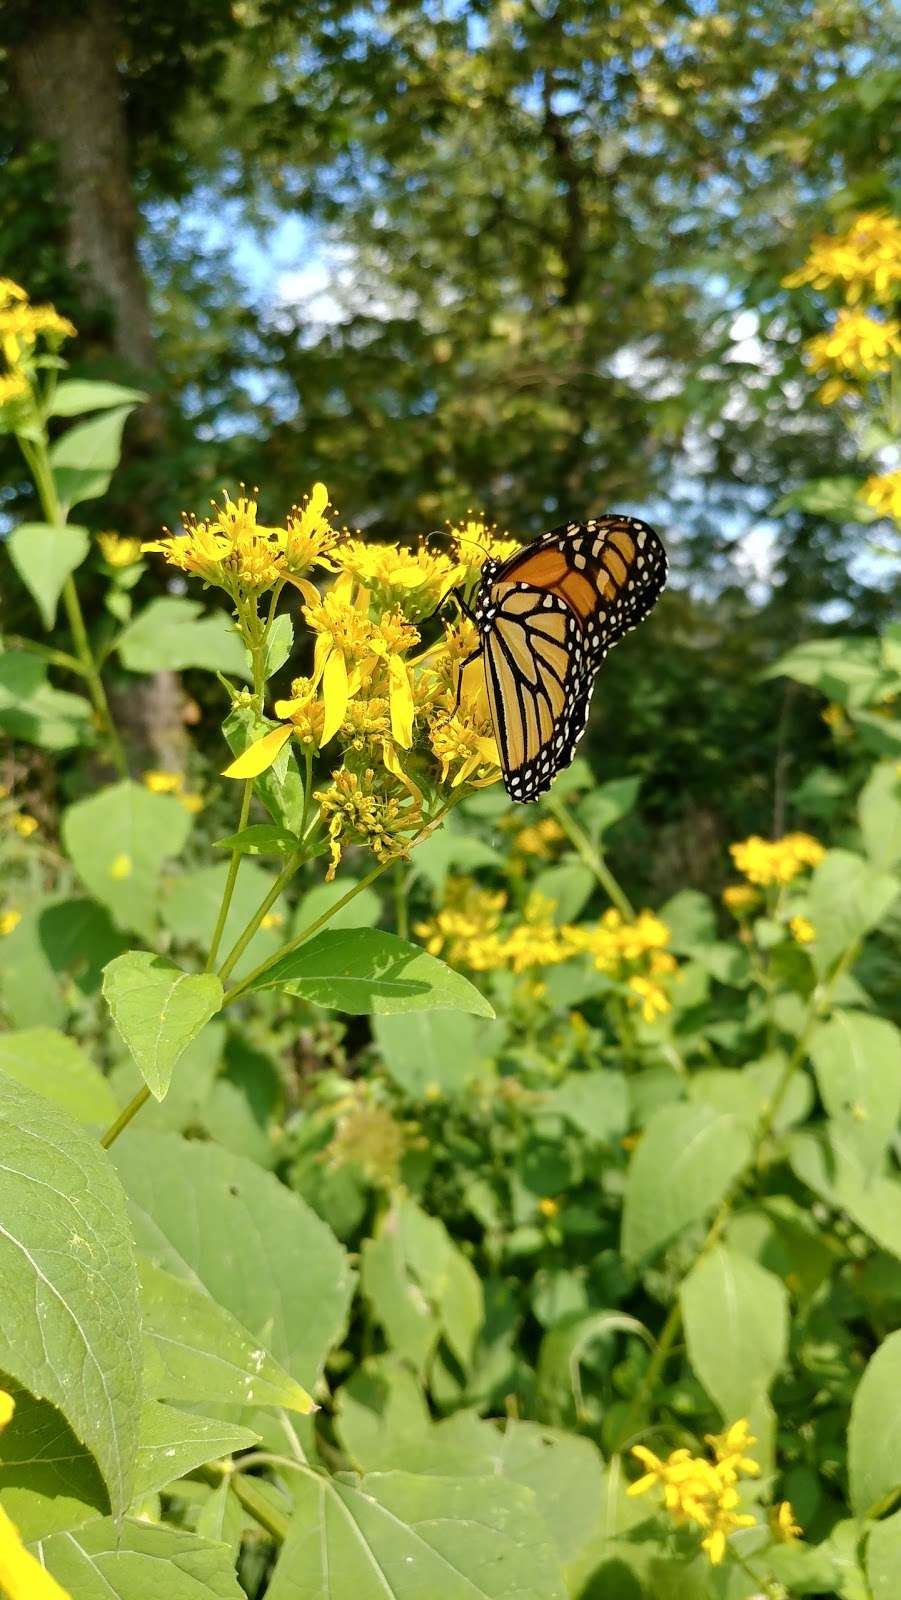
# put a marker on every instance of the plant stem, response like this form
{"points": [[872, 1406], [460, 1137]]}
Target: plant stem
{"points": [[229, 889], [284, 878], [593, 857], [401, 906], [249, 1495], [125, 1116]]}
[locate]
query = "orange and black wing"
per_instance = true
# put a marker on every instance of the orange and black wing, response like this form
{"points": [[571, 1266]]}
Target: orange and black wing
{"points": [[547, 617]]}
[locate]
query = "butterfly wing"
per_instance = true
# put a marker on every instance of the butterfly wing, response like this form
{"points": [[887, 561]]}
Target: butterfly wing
{"points": [[547, 617]]}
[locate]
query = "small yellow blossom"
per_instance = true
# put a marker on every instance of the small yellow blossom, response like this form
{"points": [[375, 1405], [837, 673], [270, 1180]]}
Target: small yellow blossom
{"points": [[159, 782], [7, 1409], [9, 921], [783, 1526], [548, 1206], [416, 580], [857, 344], [835, 717], [653, 1000], [702, 1492], [22, 324], [475, 541], [24, 825], [802, 930], [120, 867], [539, 838], [768, 861], [739, 897], [832, 390], [536, 941], [883, 493], [463, 742], [309, 539], [193, 803], [730, 1450], [237, 553], [466, 930], [305, 712], [13, 386], [272, 919], [864, 261], [118, 551]]}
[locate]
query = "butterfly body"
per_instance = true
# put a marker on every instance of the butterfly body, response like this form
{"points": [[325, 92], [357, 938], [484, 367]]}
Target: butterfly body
{"points": [[547, 617]]}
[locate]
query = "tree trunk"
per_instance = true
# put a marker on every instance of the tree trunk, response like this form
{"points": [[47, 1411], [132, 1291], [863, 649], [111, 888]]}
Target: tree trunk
{"points": [[67, 75]]}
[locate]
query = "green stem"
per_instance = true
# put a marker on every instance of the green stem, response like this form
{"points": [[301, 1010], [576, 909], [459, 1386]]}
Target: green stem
{"points": [[56, 658], [124, 1117], [284, 878], [592, 857], [249, 1495], [230, 881], [401, 905]]}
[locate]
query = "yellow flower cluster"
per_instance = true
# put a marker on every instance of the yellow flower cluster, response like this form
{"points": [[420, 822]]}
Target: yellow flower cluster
{"points": [[701, 1490], [466, 929], [857, 344], [802, 930], [618, 946], [9, 921], [768, 861], [883, 493], [21, 325], [159, 782], [118, 551], [739, 898], [539, 838], [22, 1576], [235, 552], [865, 260]]}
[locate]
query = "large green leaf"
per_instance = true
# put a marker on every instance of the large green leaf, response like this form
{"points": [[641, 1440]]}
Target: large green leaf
{"points": [[595, 1102], [884, 1558], [607, 803], [173, 1443], [858, 1066], [195, 1348], [362, 970], [736, 1328], [74, 396], [419, 1285], [158, 1010], [53, 1065], [393, 1536], [31, 709], [847, 897], [54, 957], [835, 1174], [44, 556], [569, 886], [138, 1561], [686, 1159], [70, 1330], [220, 1222], [747, 1091], [172, 634], [190, 906], [118, 840], [879, 811], [433, 1052], [846, 669], [874, 1432], [84, 457]]}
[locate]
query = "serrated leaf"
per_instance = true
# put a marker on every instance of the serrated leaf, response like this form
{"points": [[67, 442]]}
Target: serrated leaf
{"points": [[118, 840], [219, 1221], [74, 396], [365, 971], [686, 1159], [84, 457], [129, 1560], [396, 1536], [173, 633], [70, 1330], [197, 1348], [158, 1010], [874, 1431], [44, 556]]}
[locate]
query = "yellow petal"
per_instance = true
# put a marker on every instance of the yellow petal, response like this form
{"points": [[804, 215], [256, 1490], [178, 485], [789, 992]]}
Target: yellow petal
{"points": [[21, 1576], [7, 1408], [308, 590], [400, 699], [318, 500], [335, 694], [641, 1485], [259, 756], [392, 762]]}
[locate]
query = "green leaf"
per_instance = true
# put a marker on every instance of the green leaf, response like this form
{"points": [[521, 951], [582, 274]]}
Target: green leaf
{"points": [[606, 804], [118, 840], [197, 1348], [53, 1065], [847, 897], [430, 1052], [746, 1091], [879, 812], [70, 1330], [158, 1010], [736, 1318], [129, 1560], [173, 1443], [32, 710], [363, 911], [834, 1174], [365, 971], [44, 556], [569, 885], [48, 1480], [281, 787], [74, 396], [564, 1350], [595, 1102], [857, 1059], [874, 1431], [85, 457], [393, 1536], [54, 957], [848, 670], [220, 1222], [190, 906], [172, 634], [836, 498], [420, 1286], [260, 839], [279, 644], [450, 849], [684, 1163], [884, 1558]]}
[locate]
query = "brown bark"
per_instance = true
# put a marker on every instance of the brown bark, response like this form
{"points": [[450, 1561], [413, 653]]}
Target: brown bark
{"points": [[67, 76]]}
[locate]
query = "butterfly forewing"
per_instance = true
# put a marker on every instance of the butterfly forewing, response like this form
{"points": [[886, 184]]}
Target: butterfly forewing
{"points": [[547, 617]]}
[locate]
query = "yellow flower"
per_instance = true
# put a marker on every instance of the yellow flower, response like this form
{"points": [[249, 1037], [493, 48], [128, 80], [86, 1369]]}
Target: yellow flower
{"points": [[344, 634], [783, 1526], [13, 385], [309, 539], [465, 930], [231, 549], [833, 389], [463, 740], [11, 293], [474, 542], [272, 919], [548, 1206], [368, 809], [802, 930], [537, 941], [653, 1000], [9, 921], [730, 1451], [539, 838], [857, 344], [159, 782], [739, 897], [24, 825], [414, 580], [120, 868], [764, 861], [865, 260], [7, 1403], [117, 551], [702, 1492], [883, 493], [834, 717], [193, 803], [22, 324]]}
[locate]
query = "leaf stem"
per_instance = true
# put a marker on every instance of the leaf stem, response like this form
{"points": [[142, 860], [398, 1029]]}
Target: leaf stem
{"points": [[592, 856], [284, 878], [230, 880], [124, 1117], [249, 1495]]}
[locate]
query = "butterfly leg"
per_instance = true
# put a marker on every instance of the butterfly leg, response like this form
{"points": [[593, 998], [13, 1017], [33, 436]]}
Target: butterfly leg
{"points": [[460, 670], [452, 594]]}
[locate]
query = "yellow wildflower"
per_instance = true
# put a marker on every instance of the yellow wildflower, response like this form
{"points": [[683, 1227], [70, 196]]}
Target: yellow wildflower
{"points": [[272, 919], [463, 742], [237, 553], [159, 782], [764, 861], [370, 810], [415, 580], [465, 930], [615, 941], [22, 1577], [340, 621], [474, 542], [696, 1490], [11, 293], [835, 717], [548, 1206], [536, 941], [193, 803], [118, 551], [309, 539], [739, 897], [22, 324], [24, 825], [802, 930], [833, 389], [9, 921], [730, 1450], [883, 493], [539, 838], [7, 1403], [13, 385], [653, 1000], [120, 868], [783, 1526], [857, 344], [725, 1520], [305, 712], [865, 260]]}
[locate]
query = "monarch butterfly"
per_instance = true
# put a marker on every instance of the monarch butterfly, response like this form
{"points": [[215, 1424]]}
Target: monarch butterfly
{"points": [[547, 616]]}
